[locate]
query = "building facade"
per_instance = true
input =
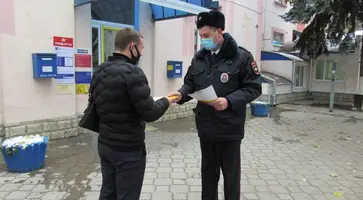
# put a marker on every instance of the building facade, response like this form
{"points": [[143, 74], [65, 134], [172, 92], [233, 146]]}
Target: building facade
{"points": [[81, 35]]}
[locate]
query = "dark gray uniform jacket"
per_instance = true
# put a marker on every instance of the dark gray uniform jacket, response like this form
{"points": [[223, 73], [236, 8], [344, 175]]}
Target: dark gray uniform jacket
{"points": [[242, 87]]}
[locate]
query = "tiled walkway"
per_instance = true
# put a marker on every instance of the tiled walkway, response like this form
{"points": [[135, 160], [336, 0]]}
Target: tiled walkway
{"points": [[299, 153]]}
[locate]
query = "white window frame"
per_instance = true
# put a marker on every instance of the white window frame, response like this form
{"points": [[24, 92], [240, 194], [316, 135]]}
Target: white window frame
{"points": [[301, 69], [325, 71], [197, 39]]}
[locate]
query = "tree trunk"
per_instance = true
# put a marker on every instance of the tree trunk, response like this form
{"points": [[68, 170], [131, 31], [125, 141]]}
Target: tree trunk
{"points": [[361, 56]]}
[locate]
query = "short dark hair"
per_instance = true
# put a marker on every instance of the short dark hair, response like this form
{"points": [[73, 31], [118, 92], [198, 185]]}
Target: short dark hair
{"points": [[126, 36]]}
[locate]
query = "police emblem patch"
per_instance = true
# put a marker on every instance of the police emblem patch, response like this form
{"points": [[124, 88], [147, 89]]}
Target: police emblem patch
{"points": [[224, 78], [255, 68]]}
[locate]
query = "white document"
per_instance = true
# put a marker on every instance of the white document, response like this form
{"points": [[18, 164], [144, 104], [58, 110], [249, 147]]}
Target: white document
{"points": [[64, 52], [65, 70], [47, 69], [68, 61], [207, 94]]}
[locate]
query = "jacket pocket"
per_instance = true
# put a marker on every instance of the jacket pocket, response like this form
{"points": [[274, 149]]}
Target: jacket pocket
{"points": [[227, 78], [197, 71], [200, 78]]}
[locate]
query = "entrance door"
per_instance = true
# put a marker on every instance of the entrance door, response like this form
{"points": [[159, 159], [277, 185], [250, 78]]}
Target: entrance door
{"points": [[103, 37]]}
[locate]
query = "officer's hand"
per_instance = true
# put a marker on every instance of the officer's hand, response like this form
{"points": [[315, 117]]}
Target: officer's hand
{"points": [[220, 104], [176, 95]]}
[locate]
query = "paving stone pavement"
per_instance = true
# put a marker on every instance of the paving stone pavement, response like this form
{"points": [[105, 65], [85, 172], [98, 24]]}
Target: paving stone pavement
{"points": [[299, 152]]}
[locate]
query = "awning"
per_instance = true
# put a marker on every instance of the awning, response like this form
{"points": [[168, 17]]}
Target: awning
{"points": [[81, 2], [279, 56], [164, 12]]}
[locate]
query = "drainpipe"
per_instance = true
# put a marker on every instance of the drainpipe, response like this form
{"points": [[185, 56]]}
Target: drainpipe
{"points": [[311, 74], [274, 91], [359, 65], [293, 75]]}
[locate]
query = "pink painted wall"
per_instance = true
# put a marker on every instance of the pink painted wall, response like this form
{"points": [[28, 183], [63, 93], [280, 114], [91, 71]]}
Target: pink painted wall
{"points": [[259, 35], [188, 35], [7, 17], [24, 98], [1, 88], [241, 23]]}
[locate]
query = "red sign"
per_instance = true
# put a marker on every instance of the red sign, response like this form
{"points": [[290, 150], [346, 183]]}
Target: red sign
{"points": [[83, 60], [62, 42]]}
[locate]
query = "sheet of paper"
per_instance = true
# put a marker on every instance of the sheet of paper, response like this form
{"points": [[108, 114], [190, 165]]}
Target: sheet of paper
{"points": [[207, 94], [68, 61]]}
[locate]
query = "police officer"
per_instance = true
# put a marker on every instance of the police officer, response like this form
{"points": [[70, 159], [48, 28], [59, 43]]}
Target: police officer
{"points": [[236, 79]]}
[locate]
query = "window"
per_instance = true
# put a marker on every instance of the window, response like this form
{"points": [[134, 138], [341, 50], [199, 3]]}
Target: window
{"points": [[299, 76], [324, 70], [295, 35], [278, 39], [196, 34], [320, 69], [95, 53], [281, 2]]}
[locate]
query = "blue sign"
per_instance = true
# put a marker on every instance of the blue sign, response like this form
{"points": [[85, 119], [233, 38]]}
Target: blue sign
{"points": [[82, 51], [60, 61], [83, 77], [175, 69]]}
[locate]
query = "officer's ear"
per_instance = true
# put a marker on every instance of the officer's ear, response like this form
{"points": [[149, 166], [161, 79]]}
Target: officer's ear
{"points": [[219, 31]]}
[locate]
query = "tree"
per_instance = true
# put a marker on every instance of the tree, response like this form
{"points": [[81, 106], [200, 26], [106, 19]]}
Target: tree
{"points": [[330, 22]]}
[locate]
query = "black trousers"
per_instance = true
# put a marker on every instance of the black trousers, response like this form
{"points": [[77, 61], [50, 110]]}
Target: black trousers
{"points": [[217, 156], [122, 173]]}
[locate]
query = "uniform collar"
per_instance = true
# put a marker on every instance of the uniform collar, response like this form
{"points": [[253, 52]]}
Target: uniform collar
{"points": [[215, 52]]}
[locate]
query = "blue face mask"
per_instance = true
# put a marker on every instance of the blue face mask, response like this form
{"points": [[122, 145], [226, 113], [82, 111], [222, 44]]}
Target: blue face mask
{"points": [[208, 43]]}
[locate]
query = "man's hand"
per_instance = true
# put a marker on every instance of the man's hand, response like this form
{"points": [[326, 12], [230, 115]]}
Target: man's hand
{"points": [[220, 104], [171, 100], [177, 96]]}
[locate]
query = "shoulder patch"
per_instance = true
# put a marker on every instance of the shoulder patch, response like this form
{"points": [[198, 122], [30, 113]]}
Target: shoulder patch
{"points": [[255, 68]]}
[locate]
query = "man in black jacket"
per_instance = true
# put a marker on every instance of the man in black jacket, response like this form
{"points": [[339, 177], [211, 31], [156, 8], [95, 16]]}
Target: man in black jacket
{"points": [[234, 74], [122, 99]]}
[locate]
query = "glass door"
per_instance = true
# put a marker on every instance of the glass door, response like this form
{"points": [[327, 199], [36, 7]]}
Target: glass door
{"points": [[103, 37], [96, 33], [108, 39]]}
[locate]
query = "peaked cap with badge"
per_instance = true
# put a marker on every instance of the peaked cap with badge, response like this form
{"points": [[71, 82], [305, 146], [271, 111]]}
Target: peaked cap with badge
{"points": [[212, 18]]}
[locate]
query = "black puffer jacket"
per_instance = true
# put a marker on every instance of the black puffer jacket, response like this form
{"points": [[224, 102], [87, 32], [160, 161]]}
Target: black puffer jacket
{"points": [[122, 98]]}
